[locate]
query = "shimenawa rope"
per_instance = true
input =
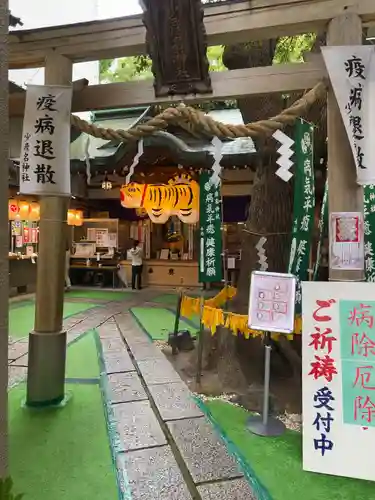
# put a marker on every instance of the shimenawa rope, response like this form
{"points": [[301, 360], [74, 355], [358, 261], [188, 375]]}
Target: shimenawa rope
{"points": [[204, 123]]}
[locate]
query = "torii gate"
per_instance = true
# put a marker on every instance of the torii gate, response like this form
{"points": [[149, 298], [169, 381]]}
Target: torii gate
{"points": [[57, 48]]}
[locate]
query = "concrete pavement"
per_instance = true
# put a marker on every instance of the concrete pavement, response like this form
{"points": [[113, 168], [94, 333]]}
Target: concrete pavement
{"points": [[163, 445]]}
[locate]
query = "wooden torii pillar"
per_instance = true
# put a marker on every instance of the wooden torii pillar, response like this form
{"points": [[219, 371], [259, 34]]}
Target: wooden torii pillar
{"points": [[47, 343], [344, 194], [4, 249]]}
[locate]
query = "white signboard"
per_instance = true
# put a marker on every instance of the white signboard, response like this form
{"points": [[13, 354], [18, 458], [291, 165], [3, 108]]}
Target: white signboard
{"points": [[338, 349], [272, 302], [352, 73], [45, 152], [102, 238], [346, 241]]}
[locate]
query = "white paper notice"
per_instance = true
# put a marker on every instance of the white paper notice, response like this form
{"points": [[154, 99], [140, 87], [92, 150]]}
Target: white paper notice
{"points": [[45, 151], [338, 361], [102, 238], [272, 302], [346, 241]]}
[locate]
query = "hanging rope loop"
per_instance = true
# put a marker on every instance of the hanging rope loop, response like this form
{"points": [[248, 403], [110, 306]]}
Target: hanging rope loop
{"points": [[200, 122]]}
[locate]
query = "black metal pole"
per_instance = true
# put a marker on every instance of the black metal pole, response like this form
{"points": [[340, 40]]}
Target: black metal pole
{"points": [[200, 343], [177, 323]]}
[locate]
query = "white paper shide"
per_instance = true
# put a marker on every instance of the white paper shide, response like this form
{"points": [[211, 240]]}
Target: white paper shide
{"points": [[45, 152], [352, 73]]}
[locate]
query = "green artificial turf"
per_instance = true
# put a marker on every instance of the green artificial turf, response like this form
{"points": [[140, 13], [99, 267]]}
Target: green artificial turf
{"points": [[159, 322], [15, 304], [167, 299], [277, 462], [97, 294], [82, 358], [21, 319], [61, 454]]}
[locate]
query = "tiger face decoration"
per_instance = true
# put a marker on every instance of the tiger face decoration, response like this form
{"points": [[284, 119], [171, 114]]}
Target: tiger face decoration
{"points": [[179, 197]]}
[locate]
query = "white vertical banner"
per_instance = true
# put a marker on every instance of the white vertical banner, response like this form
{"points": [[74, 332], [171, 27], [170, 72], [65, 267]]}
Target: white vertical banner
{"points": [[45, 151], [352, 73], [338, 379]]}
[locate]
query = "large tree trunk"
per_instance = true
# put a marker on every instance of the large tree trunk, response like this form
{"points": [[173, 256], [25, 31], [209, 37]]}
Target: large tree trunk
{"points": [[270, 212]]}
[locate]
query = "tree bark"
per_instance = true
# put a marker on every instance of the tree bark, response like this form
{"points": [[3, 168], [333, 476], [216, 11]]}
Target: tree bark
{"points": [[261, 212]]}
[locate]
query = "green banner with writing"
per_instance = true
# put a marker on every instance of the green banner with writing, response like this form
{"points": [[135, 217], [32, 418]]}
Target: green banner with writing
{"points": [[323, 230], [304, 205], [210, 251], [369, 231]]}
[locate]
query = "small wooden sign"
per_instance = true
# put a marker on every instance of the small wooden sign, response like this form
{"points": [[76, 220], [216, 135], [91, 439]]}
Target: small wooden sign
{"points": [[176, 43]]}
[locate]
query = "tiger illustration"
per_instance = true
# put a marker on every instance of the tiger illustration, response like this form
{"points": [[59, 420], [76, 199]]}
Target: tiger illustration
{"points": [[180, 197]]}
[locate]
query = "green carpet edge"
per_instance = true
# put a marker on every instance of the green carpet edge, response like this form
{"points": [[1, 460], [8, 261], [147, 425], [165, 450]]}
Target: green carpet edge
{"points": [[170, 311], [140, 324], [188, 321], [124, 491], [257, 486]]}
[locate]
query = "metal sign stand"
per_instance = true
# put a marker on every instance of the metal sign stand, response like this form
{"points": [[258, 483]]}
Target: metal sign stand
{"points": [[265, 424], [270, 296]]}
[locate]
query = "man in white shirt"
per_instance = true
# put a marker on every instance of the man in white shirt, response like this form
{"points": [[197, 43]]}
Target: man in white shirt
{"points": [[137, 265]]}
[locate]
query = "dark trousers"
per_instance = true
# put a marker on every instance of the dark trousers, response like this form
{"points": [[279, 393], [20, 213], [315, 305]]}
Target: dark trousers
{"points": [[137, 277]]}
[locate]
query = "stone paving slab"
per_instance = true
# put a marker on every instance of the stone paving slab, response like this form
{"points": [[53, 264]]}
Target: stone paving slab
{"points": [[138, 426], [154, 475], [16, 374], [237, 489], [158, 371], [203, 451], [145, 351], [118, 362], [22, 361], [17, 350], [124, 387], [174, 401], [113, 345], [108, 331]]}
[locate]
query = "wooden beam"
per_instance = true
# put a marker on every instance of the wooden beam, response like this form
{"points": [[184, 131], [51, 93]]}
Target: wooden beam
{"points": [[226, 85], [225, 23]]}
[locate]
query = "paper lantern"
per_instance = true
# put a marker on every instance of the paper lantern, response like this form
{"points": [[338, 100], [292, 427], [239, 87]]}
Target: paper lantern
{"points": [[71, 217], [13, 209], [34, 214], [24, 210], [78, 219], [179, 197], [75, 218]]}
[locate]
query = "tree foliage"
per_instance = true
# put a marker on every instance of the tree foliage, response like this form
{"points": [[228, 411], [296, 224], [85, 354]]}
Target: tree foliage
{"points": [[291, 48], [125, 69]]}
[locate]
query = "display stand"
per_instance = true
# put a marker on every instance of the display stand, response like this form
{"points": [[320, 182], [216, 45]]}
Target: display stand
{"points": [[271, 309], [265, 424]]}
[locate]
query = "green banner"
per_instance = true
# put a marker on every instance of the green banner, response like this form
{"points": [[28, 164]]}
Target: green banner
{"points": [[369, 231], [304, 205], [323, 229], [210, 258]]}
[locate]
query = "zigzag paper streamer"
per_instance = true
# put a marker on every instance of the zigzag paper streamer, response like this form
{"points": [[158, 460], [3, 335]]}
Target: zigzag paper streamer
{"points": [[216, 167], [262, 254], [87, 160], [135, 161], [285, 154]]}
